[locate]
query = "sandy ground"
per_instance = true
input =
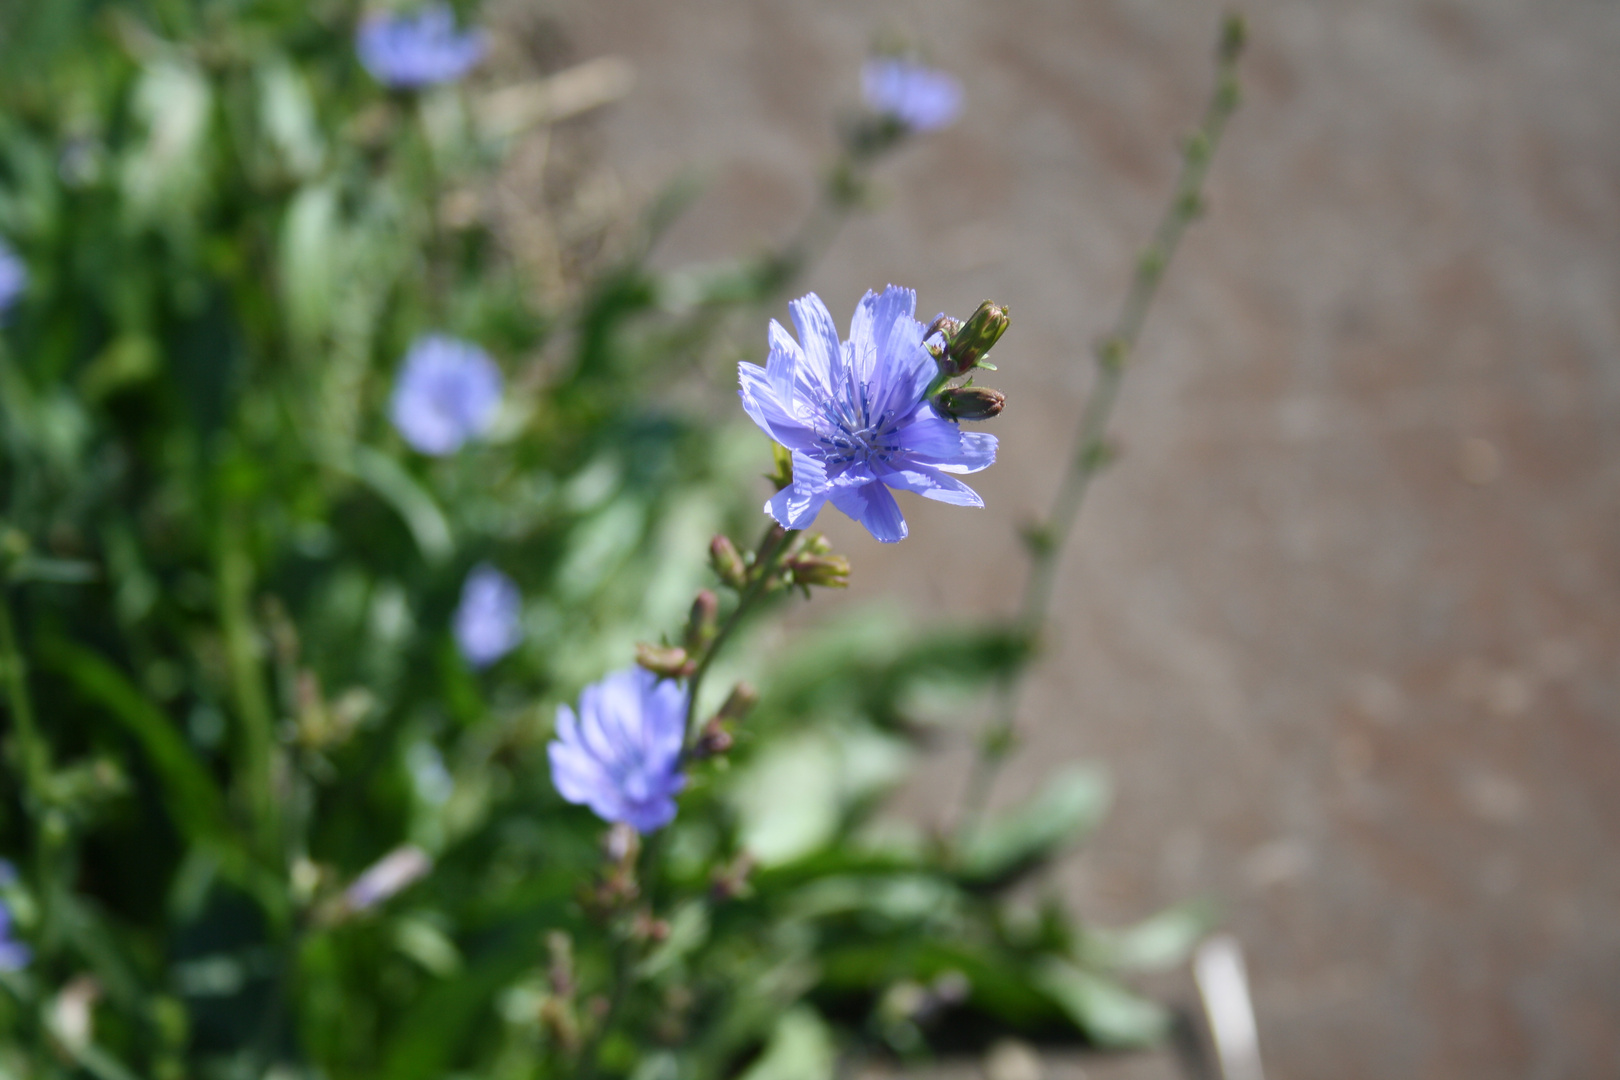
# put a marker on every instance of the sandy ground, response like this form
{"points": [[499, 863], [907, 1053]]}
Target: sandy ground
{"points": [[1344, 622]]}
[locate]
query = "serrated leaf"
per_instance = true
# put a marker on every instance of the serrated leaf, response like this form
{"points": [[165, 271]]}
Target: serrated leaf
{"points": [[1072, 804]]}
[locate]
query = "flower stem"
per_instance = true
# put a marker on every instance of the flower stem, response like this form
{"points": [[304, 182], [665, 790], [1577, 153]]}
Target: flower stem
{"points": [[1112, 355], [254, 712], [771, 545], [31, 748], [617, 993]]}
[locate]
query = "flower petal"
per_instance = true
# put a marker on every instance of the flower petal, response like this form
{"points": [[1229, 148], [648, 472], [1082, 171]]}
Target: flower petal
{"points": [[794, 507], [650, 816], [978, 452], [932, 484], [862, 345], [818, 337], [905, 368], [894, 304], [783, 361], [875, 508], [766, 407]]}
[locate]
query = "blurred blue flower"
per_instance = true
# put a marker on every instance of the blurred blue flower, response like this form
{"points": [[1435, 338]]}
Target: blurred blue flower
{"points": [[448, 392], [854, 416], [388, 876], [622, 756], [13, 954], [13, 277], [407, 52], [922, 98], [489, 620]]}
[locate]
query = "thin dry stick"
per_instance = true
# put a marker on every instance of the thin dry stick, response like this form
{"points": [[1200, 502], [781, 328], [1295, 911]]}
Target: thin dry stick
{"points": [[1113, 353]]}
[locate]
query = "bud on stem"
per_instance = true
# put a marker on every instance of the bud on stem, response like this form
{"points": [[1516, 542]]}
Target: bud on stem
{"points": [[970, 402], [968, 344], [728, 563], [739, 703], [828, 571], [702, 624], [666, 661], [714, 740]]}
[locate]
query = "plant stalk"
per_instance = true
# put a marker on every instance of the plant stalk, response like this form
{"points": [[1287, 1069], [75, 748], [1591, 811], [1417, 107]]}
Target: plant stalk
{"points": [[1112, 356]]}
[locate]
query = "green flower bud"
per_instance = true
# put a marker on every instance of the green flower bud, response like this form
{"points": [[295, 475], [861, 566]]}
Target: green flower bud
{"points": [[714, 740], [703, 622], [970, 402], [739, 702], [668, 661], [976, 337], [829, 571], [727, 563]]}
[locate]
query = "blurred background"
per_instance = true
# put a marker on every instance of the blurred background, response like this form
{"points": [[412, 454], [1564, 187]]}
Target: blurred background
{"points": [[1343, 622]]}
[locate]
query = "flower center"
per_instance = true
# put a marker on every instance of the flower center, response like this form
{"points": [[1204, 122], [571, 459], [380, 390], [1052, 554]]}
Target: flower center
{"points": [[849, 434]]}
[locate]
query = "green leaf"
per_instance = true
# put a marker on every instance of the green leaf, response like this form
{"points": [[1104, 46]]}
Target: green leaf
{"points": [[434, 1030], [57, 571], [791, 799], [310, 239], [193, 802], [398, 489], [1109, 1014], [801, 1048], [1072, 804], [1156, 943]]}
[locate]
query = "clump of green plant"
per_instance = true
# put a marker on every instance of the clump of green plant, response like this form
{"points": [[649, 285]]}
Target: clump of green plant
{"points": [[331, 524]]}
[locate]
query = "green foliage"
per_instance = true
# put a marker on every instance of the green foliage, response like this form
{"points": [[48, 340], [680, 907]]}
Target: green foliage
{"points": [[230, 680]]}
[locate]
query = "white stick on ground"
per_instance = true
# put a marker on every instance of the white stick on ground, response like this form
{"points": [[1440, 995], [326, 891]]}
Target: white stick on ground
{"points": [[1224, 985]]}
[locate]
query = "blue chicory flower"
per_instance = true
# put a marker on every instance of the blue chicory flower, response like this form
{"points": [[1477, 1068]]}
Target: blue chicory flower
{"points": [[622, 755], [14, 955], [855, 418], [13, 277], [407, 52], [920, 97], [448, 392], [387, 877], [488, 622]]}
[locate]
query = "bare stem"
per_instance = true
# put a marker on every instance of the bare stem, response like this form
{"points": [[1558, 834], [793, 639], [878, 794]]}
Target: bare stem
{"points": [[1112, 355]]}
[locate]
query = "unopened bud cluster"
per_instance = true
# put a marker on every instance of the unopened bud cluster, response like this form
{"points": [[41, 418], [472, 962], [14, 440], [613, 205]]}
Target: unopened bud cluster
{"points": [[813, 563], [959, 348], [716, 737]]}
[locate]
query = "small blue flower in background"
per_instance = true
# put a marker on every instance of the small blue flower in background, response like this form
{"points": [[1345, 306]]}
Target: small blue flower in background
{"points": [[14, 955], [13, 277], [854, 416], [922, 98], [488, 622], [407, 52], [622, 755], [388, 876], [448, 392]]}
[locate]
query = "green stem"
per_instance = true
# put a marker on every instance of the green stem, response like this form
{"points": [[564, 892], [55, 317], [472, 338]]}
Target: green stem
{"points": [[34, 753], [257, 745], [616, 995], [771, 546], [1112, 355]]}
